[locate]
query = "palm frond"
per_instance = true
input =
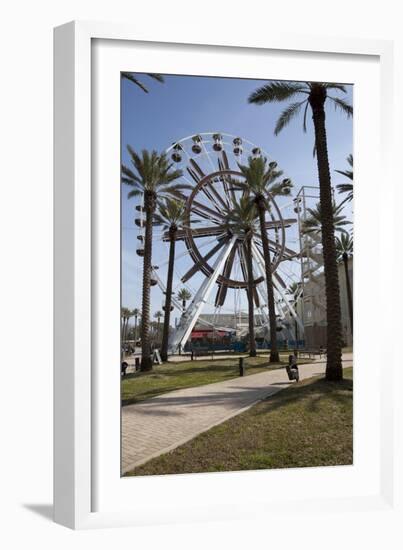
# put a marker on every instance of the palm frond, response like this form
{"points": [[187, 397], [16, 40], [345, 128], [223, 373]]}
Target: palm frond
{"points": [[347, 173], [156, 76], [134, 193], [334, 86], [305, 113], [287, 115], [276, 91], [342, 105], [136, 81]]}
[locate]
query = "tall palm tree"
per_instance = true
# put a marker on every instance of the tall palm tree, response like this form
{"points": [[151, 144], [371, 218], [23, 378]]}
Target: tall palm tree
{"points": [[137, 82], [344, 249], [153, 175], [242, 219], [313, 222], [315, 95], [136, 314], [262, 181], [347, 187], [170, 215], [184, 295]]}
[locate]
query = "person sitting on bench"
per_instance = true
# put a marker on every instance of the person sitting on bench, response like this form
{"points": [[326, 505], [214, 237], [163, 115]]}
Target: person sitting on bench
{"points": [[292, 368]]}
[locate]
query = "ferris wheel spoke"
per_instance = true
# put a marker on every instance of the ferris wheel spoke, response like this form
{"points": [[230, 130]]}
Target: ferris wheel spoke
{"points": [[197, 233], [196, 267], [223, 288], [224, 182], [242, 253], [231, 187], [279, 279], [207, 189], [198, 207], [274, 247], [256, 297], [242, 256]]}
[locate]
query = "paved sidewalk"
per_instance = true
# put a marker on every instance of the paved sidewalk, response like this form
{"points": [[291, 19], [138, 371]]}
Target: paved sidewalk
{"points": [[160, 424]]}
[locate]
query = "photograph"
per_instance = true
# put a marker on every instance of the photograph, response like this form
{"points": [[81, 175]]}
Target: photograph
{"points": [[236, 274]]}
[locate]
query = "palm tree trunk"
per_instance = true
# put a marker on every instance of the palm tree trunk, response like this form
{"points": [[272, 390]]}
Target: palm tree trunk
{"points": [[135, 331], [348, 287], [168, 296], [251, 311], [149, 207], [274, 356], [334, 370]]}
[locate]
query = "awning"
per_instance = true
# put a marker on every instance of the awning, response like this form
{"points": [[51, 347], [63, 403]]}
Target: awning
{"points": [[205, 333]]}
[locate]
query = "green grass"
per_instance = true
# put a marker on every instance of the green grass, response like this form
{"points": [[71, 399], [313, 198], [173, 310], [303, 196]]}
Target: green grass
{"points": [[174, 376], [307, 424]]}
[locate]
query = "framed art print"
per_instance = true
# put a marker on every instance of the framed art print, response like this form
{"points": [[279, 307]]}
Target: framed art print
{"points": [[216, 219]]}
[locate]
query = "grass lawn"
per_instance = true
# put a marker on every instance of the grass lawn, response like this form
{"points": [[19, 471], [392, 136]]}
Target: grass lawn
{"points": [[174, 376], [307, 424]]}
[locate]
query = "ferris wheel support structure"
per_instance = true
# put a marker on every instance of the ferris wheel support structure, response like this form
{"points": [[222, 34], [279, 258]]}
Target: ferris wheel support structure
{"points": [[260, 264], [189, 318]]}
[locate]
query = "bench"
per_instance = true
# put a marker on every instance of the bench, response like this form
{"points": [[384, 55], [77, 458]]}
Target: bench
{"points": [[311, 353]]}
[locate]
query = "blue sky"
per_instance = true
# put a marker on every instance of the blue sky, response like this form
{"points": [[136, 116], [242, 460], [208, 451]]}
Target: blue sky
{"points": [[186, 105]]}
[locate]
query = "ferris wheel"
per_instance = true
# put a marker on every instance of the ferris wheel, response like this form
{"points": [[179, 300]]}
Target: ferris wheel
{"points": [[210, 260]]}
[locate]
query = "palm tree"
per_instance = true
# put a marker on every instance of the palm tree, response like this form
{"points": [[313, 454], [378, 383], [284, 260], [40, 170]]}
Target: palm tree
{"points": [[137, 82], [316, 95], [152, 175], [170, 215], [157, 315], [136, 314], [241, 219], [184, 295], [125, 315], [344, 249], [262, 182], [313, 223], [347, 187], [293, 289]]}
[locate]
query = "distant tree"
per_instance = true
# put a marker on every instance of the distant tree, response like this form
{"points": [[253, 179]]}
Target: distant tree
{"points": [[313, 222], [184, 295], [136, 314], [344, 249], [158, 315], [170, 215], [347, 187]]}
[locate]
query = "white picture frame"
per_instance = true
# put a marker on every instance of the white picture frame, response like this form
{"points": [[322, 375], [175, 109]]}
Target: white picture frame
{"points": [[78, 387]]}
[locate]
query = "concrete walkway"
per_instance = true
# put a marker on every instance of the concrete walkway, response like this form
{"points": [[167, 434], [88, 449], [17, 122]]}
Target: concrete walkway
{"points": [[160, 424]]}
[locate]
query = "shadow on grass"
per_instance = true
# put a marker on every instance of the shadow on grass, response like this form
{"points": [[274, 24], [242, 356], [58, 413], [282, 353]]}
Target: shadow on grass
{"points": [[315, 390]]}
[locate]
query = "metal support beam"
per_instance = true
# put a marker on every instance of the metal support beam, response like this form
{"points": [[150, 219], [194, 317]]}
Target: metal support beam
{"points": [[261, 267], [190, 316]]}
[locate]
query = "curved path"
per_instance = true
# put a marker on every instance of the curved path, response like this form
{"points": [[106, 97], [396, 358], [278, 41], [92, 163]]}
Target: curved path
{"points": [[162, 423]]}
